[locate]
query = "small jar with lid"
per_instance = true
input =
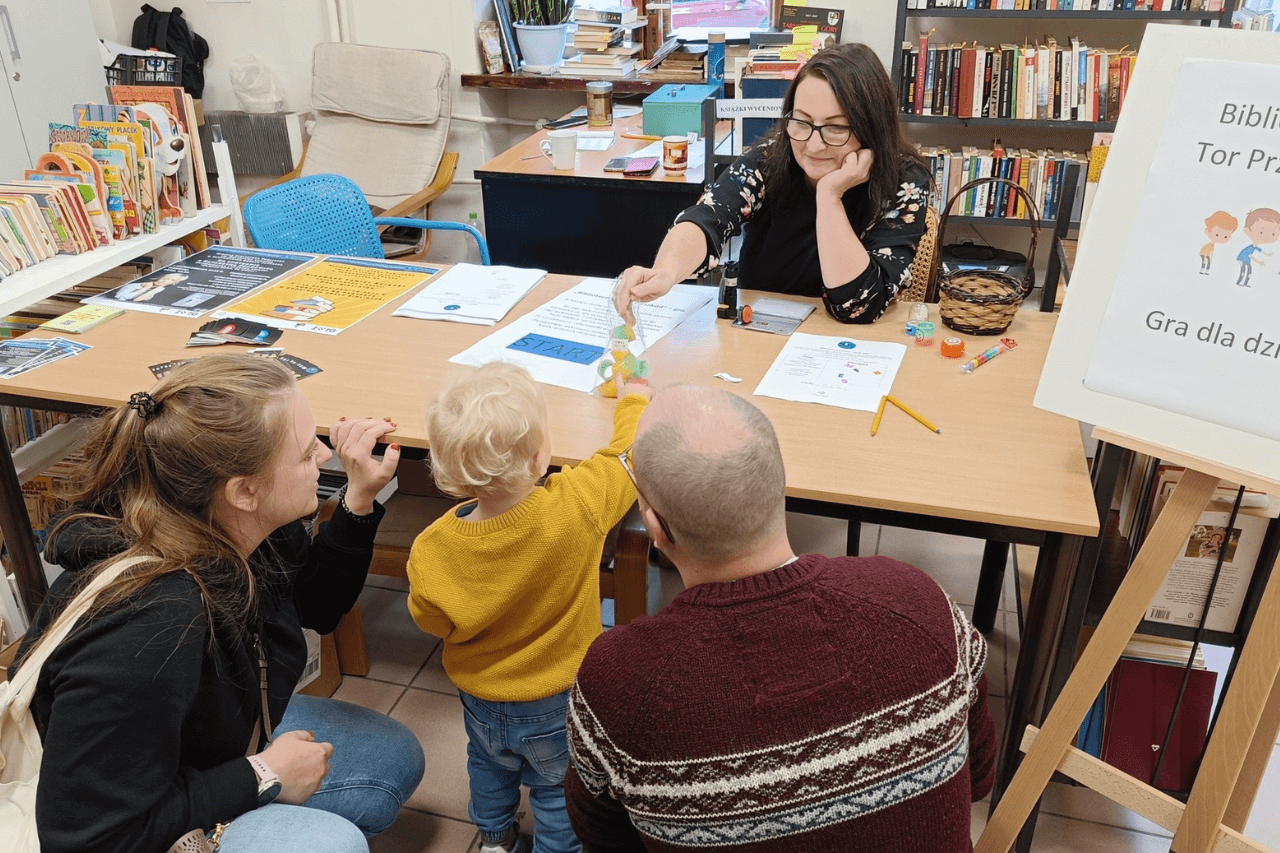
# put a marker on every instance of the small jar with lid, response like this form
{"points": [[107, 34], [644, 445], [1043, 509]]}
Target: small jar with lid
{"points": [[599, 103]]}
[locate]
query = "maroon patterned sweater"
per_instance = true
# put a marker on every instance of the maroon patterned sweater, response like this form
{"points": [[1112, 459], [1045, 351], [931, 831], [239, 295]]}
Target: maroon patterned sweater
{"points": [[828, 705]]}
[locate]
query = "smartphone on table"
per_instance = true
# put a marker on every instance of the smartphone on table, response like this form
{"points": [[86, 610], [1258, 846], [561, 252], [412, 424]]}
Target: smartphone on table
{"points": [[617, 164], [641, 166]]}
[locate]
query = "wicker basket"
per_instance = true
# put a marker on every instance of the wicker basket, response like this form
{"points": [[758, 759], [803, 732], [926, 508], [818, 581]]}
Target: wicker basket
{"points": [[922, 266], [984, 302]]}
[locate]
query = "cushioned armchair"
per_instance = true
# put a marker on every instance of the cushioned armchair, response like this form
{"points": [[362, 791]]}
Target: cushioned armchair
{"points": [[382, 120]]}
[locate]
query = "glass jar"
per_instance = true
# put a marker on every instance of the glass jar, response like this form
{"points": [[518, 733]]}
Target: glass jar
{"points": [[599, 103]]}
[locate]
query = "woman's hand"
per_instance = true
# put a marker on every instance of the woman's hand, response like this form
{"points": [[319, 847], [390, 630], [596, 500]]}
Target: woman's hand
{"points": [[354, 442], [301, 764], [640, 284], [854, 171]]}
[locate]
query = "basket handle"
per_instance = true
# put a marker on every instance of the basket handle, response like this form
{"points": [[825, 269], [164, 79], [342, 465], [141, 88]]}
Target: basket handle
{"points": [[1034, 219]]}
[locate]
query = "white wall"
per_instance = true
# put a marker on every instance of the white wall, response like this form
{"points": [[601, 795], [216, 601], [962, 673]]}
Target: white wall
{"points": [[282, 33]]}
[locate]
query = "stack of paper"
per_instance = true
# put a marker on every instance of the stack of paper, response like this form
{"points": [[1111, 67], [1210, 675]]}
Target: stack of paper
{"points": [[17, 357], [472, 294]]}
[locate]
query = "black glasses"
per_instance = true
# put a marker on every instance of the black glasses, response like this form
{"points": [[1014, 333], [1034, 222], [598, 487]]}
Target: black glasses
{"points": [[832, 134], [625, 459]]}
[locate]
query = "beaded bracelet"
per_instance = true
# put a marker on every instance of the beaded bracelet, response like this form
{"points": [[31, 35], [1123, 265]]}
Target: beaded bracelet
{"points": [[367, 518]]}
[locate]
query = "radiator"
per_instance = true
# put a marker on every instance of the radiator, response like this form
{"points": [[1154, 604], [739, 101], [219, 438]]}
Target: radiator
{"points": [[260, 144]]}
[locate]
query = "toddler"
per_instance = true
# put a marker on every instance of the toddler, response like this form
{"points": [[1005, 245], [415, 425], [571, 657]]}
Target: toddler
{"points": [[510, 580]]}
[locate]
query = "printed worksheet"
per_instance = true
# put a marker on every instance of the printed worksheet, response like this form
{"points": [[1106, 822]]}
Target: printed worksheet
{"points": [[562, 342], [833, 371]]}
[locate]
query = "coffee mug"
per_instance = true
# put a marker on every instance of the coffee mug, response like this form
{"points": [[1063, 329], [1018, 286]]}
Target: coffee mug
{"points": [[561, 148], [675, 154]]}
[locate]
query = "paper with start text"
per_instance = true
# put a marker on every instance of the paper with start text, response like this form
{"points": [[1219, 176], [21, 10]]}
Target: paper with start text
{"points": [[838, 372], [562, 342]]}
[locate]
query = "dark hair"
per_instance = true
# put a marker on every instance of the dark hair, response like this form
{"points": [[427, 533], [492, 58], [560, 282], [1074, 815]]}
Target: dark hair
{"points": [[869, 102]]}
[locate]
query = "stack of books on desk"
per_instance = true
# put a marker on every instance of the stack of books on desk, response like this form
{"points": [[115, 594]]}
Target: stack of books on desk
{"points": [[599, 64], [597, 36], [769, 60], [684, 64]]}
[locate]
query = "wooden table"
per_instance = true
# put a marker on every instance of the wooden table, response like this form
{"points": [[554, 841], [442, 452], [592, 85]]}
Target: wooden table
{"points": [[1001, 469], [584, 221]]}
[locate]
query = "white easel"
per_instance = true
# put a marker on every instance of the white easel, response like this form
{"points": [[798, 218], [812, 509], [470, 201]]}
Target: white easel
{"points": [[1212, 445]]}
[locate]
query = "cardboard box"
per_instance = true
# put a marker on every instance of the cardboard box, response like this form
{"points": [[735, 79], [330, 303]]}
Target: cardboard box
{"points": [[676, 109]]}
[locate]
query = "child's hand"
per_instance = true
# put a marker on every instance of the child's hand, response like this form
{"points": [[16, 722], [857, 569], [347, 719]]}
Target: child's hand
{"points": [[625, 388]]}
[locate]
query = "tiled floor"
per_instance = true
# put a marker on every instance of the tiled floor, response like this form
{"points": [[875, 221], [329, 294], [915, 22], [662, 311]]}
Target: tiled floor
{"points": [[408, 682]]}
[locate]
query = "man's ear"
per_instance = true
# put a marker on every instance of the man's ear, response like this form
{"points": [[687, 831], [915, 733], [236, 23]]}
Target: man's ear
{"points": [[243, 493], [654, 526]]}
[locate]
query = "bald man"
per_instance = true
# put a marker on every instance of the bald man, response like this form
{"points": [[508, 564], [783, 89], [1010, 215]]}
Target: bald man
{"points": [[780, 703]]}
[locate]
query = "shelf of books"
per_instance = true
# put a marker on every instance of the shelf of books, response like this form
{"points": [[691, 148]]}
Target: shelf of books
{"points": [[1073, 14], [63, 271]]}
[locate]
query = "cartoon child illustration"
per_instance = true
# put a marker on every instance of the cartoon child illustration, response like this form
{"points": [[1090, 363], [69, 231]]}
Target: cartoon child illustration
{"points": [[1218, 228], [1211, 546], [1262, 227]]}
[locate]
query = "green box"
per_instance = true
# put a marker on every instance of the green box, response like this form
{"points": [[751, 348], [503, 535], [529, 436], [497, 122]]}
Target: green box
{"points": [[676, 109]]}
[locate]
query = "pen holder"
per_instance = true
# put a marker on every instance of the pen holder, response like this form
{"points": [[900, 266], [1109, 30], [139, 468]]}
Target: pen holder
{"points": [[984, 302]]}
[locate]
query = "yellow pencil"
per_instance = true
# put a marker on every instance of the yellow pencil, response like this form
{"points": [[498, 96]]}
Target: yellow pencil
{"points": [[875, 425], [910, 411], [641, 136]]}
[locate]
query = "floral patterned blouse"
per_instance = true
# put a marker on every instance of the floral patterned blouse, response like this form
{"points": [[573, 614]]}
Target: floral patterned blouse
{"points": [[780, 249]]}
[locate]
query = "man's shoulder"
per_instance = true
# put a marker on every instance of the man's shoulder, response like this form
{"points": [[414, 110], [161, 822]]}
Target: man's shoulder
{"points": [[628, 654]]}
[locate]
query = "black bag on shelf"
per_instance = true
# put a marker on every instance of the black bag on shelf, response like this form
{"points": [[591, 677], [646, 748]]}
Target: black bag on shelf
{"points": [[168, 31]]}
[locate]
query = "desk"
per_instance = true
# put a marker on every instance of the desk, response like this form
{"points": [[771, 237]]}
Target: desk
{"points": [[581, 222], [1001, 469]]}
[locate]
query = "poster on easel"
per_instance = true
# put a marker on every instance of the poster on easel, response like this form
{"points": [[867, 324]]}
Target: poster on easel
{"points": [[1170, 330]]}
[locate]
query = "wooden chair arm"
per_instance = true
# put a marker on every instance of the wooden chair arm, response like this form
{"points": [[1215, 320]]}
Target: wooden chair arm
{"points": [[441, 182], [296, 172]]}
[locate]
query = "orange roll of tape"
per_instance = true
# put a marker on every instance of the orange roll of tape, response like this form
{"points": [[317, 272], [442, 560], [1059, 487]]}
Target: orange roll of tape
{"points": [[953, 347]]}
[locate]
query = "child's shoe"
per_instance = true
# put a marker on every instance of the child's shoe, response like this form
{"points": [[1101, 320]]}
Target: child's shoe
{"points": [[512, 842]]}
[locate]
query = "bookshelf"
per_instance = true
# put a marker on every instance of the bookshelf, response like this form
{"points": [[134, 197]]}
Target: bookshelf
{"points": [[997, 29], [63, 271]]}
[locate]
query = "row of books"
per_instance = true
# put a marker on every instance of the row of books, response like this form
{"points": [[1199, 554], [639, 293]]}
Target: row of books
{"points": [[1127, 724], [1042, 173], [115, 171], [1074, 5], [22, 425], [1048, 81]]}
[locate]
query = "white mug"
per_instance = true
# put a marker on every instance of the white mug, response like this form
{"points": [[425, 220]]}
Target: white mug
{"points": [[561, 148]]}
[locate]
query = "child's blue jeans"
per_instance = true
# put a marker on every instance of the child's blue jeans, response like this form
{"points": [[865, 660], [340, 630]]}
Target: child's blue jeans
{"points": [[515, 743]]}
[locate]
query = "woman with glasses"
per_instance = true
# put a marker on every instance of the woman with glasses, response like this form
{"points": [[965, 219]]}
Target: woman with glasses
{"points": [[831, 204]]}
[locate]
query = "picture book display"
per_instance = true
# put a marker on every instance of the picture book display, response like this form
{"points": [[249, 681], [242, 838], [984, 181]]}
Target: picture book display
{"points": [[207, 280], [331, 295]]}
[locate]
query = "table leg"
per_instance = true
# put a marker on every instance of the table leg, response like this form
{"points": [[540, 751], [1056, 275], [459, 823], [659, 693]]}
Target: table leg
{"points": [[1116, 628], [986, 603], [15, 526], [631, 569], [1233, 736], [853, 538]]}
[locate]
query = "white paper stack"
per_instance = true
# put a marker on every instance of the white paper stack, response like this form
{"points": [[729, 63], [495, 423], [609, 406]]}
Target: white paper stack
{"points": [[472, 294]]}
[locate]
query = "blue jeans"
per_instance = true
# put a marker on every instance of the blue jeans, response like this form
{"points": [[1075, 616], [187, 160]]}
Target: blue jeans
{"points": [[376, 764], [515, 743]]}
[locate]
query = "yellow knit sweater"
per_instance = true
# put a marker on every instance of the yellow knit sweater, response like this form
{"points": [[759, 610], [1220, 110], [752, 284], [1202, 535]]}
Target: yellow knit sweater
{"points": [[517, 597]]}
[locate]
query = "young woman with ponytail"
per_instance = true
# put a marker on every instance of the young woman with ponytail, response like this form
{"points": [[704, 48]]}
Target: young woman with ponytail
{"points": [[151, 711]]}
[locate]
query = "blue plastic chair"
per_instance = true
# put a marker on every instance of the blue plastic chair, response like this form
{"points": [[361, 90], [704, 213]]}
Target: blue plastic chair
{"points": [[328, 215]]}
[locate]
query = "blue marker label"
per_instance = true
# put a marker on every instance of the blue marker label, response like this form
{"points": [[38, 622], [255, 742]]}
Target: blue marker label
{"points": [[452, 307], [556, 348], [846, 345]]}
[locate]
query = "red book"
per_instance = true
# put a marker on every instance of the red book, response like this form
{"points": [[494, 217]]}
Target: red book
{"points": [[1126, 65], [1015, 200], [1099, 69], [1140, 700], [921, 68], [968, 65]]}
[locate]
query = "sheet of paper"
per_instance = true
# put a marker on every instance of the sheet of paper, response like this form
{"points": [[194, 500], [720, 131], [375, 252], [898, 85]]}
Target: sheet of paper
{"points": [[468, 293], [562, 342], [330, 296], [595, 140], [833, 371]]}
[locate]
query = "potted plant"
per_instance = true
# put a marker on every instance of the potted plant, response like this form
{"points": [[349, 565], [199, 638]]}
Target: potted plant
{"points": [[542, 29]]}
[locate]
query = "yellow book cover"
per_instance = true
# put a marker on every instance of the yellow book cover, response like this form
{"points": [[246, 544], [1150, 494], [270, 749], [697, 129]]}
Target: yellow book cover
{"points": [[82, 319]]}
